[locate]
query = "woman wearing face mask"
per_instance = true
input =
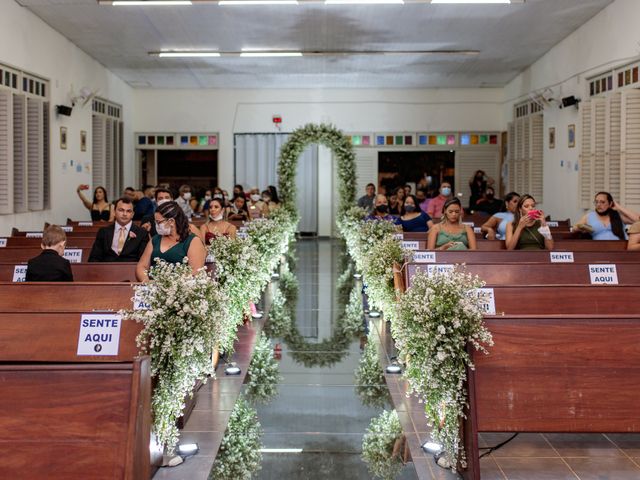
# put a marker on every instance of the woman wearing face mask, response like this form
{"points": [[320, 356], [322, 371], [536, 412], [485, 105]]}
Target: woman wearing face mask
{"points": [[607, 220], [173, 242], [204, 201], [529, 230], [451, 233], [238, 209], [257, 208], [381, 209], [216, 226], [496, 226], [184, 200], [413, 219]]}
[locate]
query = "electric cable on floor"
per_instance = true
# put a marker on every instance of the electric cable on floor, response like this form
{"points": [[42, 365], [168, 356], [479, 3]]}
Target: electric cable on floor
{"points": [[438, 456]]}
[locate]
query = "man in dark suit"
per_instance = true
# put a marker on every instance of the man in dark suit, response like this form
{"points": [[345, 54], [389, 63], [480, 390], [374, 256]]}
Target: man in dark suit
{"points": [[122, 241], [50, 266]]}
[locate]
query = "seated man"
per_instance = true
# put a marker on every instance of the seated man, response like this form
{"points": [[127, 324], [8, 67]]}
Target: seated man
{"points": [[148, 222], [50, 266], [144, 205], [122, 241]]}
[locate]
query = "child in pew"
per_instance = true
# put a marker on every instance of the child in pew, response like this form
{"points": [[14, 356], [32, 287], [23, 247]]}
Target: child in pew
{"points": [[50, 266]]}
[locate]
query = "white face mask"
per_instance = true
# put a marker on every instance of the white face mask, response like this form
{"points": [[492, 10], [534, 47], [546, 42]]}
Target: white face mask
{"points": [[186, 195], [216, 218], [163, 229], [207, 197], [255, 197], [218, 195], [164, 200]]}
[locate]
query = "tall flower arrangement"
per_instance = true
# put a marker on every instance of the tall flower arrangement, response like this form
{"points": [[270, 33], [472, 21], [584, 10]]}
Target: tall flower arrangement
{"points": [[438, 317], [378, 445], [184, 322], [370, 383]]}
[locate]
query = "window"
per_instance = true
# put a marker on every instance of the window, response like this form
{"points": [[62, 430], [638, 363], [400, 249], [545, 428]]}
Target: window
{"points": [[24, 142], [525, 154], [107, 146]]}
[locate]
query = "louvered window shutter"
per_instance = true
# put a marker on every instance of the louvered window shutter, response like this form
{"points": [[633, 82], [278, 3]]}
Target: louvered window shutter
{"points": [[46, 170], [598, 143], [35, 157], [613, 172], [20, 185], [511, 160], [630, 155], [586, 156], [98, 151], [6, 153], [536, 160], [366, 168]]}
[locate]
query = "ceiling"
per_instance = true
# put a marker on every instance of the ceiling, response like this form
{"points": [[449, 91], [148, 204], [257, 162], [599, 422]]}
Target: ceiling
{"points": [[509, 39]]}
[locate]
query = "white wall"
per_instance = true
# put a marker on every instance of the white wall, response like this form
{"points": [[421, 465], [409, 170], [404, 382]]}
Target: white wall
{"points": [[245, 111], [608, 40], [29, 44]]}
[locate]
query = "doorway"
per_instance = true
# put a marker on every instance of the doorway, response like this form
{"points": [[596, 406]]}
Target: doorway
{"points": [[423, 169]]}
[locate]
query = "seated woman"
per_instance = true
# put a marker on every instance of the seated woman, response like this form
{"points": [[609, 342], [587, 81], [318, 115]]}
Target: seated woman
{"points": [[496, 226], [100, 208], [607, 221], [528, 230], [634, 237], [173, 242], [203, 206], [380, 209], [394, 205], [270, 205], [216, 226], [50, 266], [238, 209], [413, 219], [451, 233]]}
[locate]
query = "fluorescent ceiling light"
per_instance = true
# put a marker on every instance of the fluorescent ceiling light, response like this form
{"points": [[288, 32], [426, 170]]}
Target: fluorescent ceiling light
{"points": [[149, 3], [186, 54], [258, 2], [472, 1], [281, 450], [270, 54], [363, 2]]}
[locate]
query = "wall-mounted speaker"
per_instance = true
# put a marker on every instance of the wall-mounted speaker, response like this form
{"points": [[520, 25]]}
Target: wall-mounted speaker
{"points": [[569, 101], [64, 110]]}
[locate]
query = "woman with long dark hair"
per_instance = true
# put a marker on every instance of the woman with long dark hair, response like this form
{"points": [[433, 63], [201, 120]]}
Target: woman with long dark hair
{"points": [[607, 220], [173, 243], [529, 229], [100, 208], [496, 226], [450, 233], [216, 225]]}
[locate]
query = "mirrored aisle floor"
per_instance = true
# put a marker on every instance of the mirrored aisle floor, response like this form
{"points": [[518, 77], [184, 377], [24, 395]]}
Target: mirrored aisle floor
{"points": [[317, 418]]}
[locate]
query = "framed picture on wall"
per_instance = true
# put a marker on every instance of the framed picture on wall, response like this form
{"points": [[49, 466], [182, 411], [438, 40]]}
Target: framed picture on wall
{"points": [[63, 138], [552, 137], [571, 135], [83, 141]]}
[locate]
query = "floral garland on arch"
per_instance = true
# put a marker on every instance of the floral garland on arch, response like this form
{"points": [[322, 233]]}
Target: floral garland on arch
{"points": [[341, 147], [438, 317]]}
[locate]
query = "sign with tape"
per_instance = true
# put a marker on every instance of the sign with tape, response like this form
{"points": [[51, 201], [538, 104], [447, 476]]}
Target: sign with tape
{"points": [[441, 268], [602, 274], [424, 257], [34, 235], [561, 257], [410, 245], [19, 273], [3, 242], [487, 300], [74, 255], [99, 334]]}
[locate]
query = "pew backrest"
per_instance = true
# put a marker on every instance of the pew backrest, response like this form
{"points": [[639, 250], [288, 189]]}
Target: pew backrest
{"points": [[82, 272]]}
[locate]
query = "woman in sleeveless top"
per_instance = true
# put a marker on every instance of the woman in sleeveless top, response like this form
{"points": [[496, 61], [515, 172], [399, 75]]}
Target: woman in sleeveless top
{"points": [[524, 232], [451, 233], [413, 219], [607, 221], [216, 226], [100, 208], [496, 226], [173, 242]]}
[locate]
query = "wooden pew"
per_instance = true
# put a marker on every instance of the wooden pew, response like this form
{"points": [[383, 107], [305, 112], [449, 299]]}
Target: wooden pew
{"points": [[565, 373], [72, 242], [530, 256], [64, 415], [86, 272], [567, 245], [24, 254], [538, 273]]}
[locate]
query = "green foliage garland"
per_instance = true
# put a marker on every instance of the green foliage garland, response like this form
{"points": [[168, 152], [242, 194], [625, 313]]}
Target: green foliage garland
{"points": [[378, 444], [370, 383], [263, 373]]}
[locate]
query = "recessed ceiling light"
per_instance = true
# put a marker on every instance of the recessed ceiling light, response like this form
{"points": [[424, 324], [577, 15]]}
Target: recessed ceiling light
{"points": [[270, 54], [186, 54]]}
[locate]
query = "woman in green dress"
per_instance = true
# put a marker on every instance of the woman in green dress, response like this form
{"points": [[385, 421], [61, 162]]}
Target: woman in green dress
{"points": [[173, 242], [451, 233], [529, 229]]}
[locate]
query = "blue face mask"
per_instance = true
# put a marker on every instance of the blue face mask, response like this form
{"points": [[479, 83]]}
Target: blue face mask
{"points": [[446, 191]]}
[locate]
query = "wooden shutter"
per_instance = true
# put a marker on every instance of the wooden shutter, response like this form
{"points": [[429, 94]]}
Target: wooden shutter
{"points": [[630, 154], [613, 171], [536, 160], [98, 135], [511, 182], [586, 156], [46, 162], [6, 153], [366, 169], [35, 157], [598, 130], [20, 185], [108, 157]]}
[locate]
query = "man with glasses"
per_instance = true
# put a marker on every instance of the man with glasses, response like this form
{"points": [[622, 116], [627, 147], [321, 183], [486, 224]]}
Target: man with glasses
{"points": [[121, 242]]}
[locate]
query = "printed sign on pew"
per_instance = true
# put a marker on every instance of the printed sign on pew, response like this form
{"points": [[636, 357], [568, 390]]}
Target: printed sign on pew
{"points": [[74, 255], [441, 268], [561, 257], [33, 234], [602, 274], [67, 228], [138, 302], [99, 334], [410, 244], [487, 299], [424, 257], [3, 242], [19, 273]]}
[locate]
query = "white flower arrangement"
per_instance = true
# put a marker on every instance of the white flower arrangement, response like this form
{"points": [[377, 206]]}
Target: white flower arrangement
{"points": [[182, 326], [239, 455], [263, 372], [370, 383], [438, 318], [378, 445], [342, 149]]}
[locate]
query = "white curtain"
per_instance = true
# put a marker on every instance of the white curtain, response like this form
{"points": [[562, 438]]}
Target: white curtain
{"points": [[256, 161]]}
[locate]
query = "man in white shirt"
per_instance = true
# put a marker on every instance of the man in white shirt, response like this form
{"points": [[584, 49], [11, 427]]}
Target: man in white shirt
{"points": [[184, 199]]}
